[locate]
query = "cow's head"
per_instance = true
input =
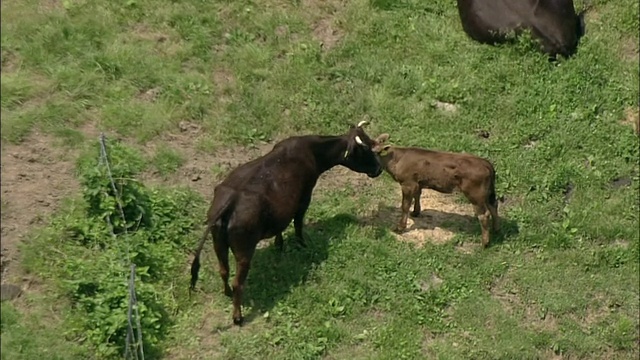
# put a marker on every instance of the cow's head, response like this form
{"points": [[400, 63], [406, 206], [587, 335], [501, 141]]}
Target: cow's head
{"points": [[359, 155]]}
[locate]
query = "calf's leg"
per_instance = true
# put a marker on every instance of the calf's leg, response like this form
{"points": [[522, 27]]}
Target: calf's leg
{"points": [[493, 209], [408, 194], [483, 215], [416, 203]]}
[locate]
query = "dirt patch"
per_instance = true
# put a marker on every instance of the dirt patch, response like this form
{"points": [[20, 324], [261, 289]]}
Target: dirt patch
{"points": [[440, 220], [534, 317], [326, 33], [322, 17], [632, 118], [47, 6], [224, 82], [149, 95], [432, 283], [200, 171], [165, 42], [10, 61], [629, 50], [36, 175]]}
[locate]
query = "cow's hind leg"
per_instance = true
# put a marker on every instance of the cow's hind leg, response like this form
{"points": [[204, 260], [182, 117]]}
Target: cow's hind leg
{"points": [[221, 247], [243, 249]]}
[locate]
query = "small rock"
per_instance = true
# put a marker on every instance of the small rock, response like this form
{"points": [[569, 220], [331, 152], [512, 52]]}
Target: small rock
{"points": [[281, 30], [483, 134], [620, 182], [9, 292], [195, 177], [444, 106]]}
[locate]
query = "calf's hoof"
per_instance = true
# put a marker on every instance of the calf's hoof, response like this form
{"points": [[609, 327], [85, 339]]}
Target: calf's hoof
{"points": [[239, 320], [399, 229]]}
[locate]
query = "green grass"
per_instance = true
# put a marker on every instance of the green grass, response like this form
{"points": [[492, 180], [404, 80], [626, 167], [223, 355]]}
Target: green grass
{"points": [[563, 278]]}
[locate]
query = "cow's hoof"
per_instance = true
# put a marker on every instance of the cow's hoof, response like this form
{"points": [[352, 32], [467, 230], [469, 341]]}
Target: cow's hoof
{"points": [[238, 320], [415, 214]]}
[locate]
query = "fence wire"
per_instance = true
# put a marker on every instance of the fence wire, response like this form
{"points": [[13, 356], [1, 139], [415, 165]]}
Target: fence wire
{"points": [[134, 348]]}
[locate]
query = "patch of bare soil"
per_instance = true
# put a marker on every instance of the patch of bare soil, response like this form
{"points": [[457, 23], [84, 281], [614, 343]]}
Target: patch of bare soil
{"points": [[632, 118], [224, 82], [533, 315], [205, 342], [10, 61], [200, 171], [165, 42], [36, 175], [325, 28], [440, 220], [629, 50]]}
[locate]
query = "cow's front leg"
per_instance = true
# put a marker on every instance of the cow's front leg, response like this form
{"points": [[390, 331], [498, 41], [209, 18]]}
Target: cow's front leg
{"points": [[279, 242]]}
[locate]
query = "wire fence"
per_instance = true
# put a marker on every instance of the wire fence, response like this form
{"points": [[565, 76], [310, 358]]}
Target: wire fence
{"points": [[133, 346]]}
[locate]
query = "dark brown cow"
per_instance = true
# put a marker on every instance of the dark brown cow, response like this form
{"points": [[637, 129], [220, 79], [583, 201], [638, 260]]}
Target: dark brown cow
{"points": [[553, 22], [259, 199], [416, 169]]}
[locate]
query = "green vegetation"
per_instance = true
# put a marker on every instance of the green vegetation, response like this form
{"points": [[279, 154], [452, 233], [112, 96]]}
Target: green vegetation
{"points": [[562, 278]]}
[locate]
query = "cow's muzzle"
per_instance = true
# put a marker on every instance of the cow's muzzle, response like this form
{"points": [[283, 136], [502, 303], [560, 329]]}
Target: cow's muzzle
{"points": [[375, 174]]}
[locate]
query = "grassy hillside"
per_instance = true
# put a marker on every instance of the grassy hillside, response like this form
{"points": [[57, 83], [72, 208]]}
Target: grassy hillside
{"points": [[192, 88]]}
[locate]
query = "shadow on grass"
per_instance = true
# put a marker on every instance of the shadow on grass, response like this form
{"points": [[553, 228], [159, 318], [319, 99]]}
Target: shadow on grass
{"points": [[430, 219], [275, 274]]}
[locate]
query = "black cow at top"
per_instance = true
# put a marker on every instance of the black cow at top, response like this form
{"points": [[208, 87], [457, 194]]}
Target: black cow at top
{"points": [[554, 23]]}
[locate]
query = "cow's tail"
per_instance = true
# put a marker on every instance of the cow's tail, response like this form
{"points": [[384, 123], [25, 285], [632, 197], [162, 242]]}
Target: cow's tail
{"points": [[219, 209]]}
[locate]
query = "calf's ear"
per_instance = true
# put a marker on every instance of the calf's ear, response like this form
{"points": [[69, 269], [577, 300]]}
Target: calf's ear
{"points": [[382, 138], [384, 150]]}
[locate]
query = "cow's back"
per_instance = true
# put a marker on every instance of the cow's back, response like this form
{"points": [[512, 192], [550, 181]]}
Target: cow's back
{"points": [[269, 188], [487, 21], [553, 22]]}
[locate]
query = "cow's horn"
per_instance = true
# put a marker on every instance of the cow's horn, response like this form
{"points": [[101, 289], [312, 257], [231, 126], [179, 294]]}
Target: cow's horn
{"points": [[362, 123], [359, 141]]}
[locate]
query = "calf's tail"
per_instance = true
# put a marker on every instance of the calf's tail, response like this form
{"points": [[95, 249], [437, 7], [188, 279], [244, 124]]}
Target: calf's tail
{"points": [[218, 210], [493, 199]]}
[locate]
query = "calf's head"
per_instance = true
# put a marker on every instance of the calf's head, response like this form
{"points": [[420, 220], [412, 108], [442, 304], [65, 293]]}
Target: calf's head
{"points": [[380, 148], [359, 155]]}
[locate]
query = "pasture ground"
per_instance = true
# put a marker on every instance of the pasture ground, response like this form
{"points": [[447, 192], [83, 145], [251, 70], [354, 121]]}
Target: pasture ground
{"points": [[197, 87]]}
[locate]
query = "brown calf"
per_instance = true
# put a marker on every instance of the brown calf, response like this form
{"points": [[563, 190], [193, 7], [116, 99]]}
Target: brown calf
{"points": [[416, 169]]}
